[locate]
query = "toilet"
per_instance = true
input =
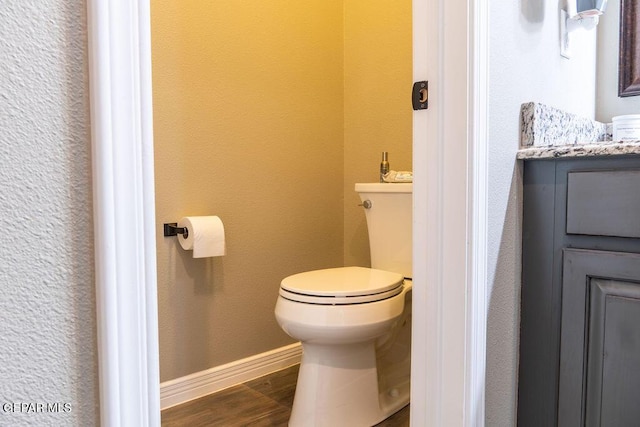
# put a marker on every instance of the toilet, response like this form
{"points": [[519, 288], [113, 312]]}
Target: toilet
{"points": [[354, 323]]}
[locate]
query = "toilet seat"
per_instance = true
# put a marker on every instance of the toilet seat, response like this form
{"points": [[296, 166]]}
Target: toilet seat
{"points": [[341, 286]]}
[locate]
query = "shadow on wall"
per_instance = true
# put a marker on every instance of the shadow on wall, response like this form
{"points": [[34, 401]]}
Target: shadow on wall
{"points": [[356, 247], [206, 275], [532, 11], [80, 211], [503, 317], [201, 278]]}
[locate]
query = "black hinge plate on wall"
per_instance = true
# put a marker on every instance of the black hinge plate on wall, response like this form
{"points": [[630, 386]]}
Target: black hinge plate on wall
{"points": [[420, 95]]}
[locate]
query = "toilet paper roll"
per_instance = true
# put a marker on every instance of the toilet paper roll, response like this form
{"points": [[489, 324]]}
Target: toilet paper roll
{"points": [[205, 238]]}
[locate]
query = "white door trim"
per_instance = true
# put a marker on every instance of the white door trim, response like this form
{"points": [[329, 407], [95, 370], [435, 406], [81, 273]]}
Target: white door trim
{"points": [[450, 205], [477, 286], [124, 211], [450, 50]]}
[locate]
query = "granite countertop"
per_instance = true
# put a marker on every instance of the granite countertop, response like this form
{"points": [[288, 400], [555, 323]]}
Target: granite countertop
{"points": [[548, 133], [605, 148]]}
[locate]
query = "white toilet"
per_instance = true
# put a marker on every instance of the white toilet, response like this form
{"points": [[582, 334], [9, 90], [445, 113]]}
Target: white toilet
{"points": [[354, 323]]}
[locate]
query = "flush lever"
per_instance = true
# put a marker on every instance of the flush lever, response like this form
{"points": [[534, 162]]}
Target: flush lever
{"points": [[366, 204]]}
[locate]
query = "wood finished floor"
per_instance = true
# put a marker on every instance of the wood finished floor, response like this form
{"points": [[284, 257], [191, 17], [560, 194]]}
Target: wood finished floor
{"points": [[265, 401]]}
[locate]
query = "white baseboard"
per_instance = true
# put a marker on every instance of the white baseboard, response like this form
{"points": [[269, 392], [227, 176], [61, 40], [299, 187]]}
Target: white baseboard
{"points": [[193, 386]]}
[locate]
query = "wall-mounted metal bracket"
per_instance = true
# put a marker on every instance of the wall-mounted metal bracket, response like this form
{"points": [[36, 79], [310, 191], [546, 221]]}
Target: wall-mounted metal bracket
{"points": [[420, 95], [172, 229]]}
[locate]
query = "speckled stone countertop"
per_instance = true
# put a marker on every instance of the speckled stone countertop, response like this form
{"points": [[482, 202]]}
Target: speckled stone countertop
{"points": [[548, 133], [544, 126], [606, 148]]}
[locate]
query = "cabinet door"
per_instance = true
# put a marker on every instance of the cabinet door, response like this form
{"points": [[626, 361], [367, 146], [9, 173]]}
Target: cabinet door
{"points": [[600, 339]]}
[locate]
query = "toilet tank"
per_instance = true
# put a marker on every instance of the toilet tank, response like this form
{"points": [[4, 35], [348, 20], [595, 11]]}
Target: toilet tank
{"points": [[389, 222]]}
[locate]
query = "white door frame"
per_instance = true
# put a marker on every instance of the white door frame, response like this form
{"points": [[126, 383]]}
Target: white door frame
{"points": [[124, 212], [450, 50], [450, 214]]}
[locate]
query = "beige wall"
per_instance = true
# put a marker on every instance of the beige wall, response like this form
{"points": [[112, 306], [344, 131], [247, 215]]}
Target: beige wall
{"points": [[377, 105], [251, 122]]}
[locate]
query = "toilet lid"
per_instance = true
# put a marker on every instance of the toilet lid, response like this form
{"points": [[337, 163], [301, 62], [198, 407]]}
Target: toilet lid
{"points": [[344, 285]]}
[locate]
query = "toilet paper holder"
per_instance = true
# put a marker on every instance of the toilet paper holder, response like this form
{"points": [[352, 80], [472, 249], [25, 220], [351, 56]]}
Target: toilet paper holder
{"points": [[172, 229]]}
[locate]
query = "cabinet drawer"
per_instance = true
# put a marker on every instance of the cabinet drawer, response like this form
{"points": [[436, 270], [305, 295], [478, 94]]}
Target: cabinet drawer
{"points": [[604, 203]]}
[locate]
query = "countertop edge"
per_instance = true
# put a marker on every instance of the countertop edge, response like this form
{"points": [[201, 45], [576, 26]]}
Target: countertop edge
{"points": [[580, 150]]}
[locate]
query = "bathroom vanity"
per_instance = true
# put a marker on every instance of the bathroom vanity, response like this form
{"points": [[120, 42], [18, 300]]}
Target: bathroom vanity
{"points": [[580, 302]]}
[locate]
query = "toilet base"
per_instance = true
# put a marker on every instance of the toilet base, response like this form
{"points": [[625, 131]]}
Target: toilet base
{"points": [[338, 386]]}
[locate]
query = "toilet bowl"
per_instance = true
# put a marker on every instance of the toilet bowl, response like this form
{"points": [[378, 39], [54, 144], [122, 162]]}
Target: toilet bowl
{"points": [[354, 323], [344, 330]]}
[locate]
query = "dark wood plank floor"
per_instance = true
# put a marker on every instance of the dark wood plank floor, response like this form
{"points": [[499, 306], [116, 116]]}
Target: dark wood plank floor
{"points": [[265, 401]]}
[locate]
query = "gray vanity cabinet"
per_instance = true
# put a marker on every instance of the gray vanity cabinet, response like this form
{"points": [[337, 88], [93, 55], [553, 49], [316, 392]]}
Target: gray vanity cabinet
{"points": [[580, 302]]}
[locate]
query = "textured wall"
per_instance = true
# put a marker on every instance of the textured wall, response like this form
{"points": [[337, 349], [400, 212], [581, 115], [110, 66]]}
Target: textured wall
{"points": [[525, 65], [378, 117], [248, 126], [47, 314]]}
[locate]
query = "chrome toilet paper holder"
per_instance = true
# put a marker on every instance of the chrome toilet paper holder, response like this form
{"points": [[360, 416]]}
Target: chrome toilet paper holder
{"points": [[172, 229]]}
